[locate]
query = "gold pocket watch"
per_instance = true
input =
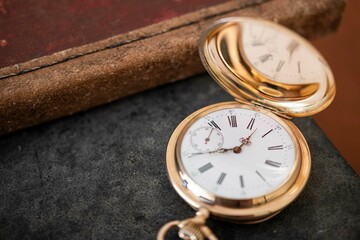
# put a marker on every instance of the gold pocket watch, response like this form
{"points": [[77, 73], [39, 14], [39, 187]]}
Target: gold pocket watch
{"points": [[244, 161]]}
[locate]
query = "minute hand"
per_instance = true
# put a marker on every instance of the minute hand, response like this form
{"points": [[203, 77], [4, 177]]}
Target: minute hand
{"points": [[244, 141], [237, 149]]}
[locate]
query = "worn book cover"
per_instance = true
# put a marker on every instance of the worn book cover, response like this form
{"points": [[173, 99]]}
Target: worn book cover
{"points": [[61, 57]]}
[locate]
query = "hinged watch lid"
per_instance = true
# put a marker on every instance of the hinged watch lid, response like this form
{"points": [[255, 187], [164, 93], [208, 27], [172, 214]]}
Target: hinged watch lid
{"points": [[268, 65]]}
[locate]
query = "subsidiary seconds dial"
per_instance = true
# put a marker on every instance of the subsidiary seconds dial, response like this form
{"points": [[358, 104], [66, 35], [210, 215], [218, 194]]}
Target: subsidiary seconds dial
{"points": [[251, 153], [207, 139]]}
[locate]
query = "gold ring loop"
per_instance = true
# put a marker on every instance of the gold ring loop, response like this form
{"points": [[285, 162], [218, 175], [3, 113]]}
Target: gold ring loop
{"points": [[164, 229]]}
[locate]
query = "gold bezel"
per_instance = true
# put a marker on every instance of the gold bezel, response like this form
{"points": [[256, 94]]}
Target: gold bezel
{"points": [[239, 210], [222, 54]]}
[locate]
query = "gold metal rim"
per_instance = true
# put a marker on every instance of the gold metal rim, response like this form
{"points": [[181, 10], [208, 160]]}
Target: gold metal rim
{"points": [[243, 81], [262, 208]]}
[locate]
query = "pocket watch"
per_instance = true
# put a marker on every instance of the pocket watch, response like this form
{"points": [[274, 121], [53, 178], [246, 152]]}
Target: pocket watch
{"points": [[244, 161]]}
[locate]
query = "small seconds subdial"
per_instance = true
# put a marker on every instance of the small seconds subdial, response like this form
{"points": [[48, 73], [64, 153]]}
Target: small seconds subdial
{"points": [[206, 139]]}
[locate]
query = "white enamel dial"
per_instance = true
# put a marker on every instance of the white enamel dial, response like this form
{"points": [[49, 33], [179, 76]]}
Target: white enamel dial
{"points": [[280, 56], [207, 139], [253, 155]]}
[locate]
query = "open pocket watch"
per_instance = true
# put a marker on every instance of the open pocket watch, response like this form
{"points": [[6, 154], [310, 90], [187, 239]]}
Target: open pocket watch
{"points": [[244, 161]]}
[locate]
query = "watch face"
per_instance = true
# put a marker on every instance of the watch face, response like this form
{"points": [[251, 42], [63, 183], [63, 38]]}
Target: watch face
{"points": [[237, 153], [281, 56], [263, 62]]}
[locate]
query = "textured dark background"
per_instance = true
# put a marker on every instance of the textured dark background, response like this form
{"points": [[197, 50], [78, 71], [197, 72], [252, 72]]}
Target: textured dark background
{"points": [[101, 175]]}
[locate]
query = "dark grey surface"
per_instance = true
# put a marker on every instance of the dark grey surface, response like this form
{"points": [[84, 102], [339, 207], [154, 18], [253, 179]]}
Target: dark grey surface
{"points": [[101, 175]]}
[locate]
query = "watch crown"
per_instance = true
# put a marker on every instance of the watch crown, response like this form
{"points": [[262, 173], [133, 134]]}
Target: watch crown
{"points": [[191, 231]]}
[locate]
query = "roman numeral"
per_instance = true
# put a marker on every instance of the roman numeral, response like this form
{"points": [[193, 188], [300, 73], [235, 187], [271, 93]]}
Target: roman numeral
{"points": [[241, 181], [280, 65], [265, 57], [213, 124], [273, 163], [299, 67], [251, 124], [232, 121], [221, 178], [278, 147], [205, 167], [261, 176], [267, 133]]}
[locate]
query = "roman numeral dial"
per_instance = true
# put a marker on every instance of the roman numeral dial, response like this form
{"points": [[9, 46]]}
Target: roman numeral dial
{"points": [[221, 178], [251, 124], [272, 163], [267, 133], [212, 123], [265, 57], [279, 66], [232, 121], [277, 147], [205, 168], [236, 153]]}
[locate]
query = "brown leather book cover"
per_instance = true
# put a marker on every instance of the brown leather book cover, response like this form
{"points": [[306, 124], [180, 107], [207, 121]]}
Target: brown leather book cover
{"points": [[62, 57]]}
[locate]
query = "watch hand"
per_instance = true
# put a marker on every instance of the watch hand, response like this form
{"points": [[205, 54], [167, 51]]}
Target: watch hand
{"points": [[251, 134], [221, 150], [293, 45], [236, 149], [208, 137], [244, 141]]}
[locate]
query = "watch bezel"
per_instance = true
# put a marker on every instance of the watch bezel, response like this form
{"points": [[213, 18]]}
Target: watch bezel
{"points": [[243, 210]]}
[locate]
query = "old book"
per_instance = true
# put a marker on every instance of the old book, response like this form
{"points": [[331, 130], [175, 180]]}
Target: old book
{"points": [[61, 57]]}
